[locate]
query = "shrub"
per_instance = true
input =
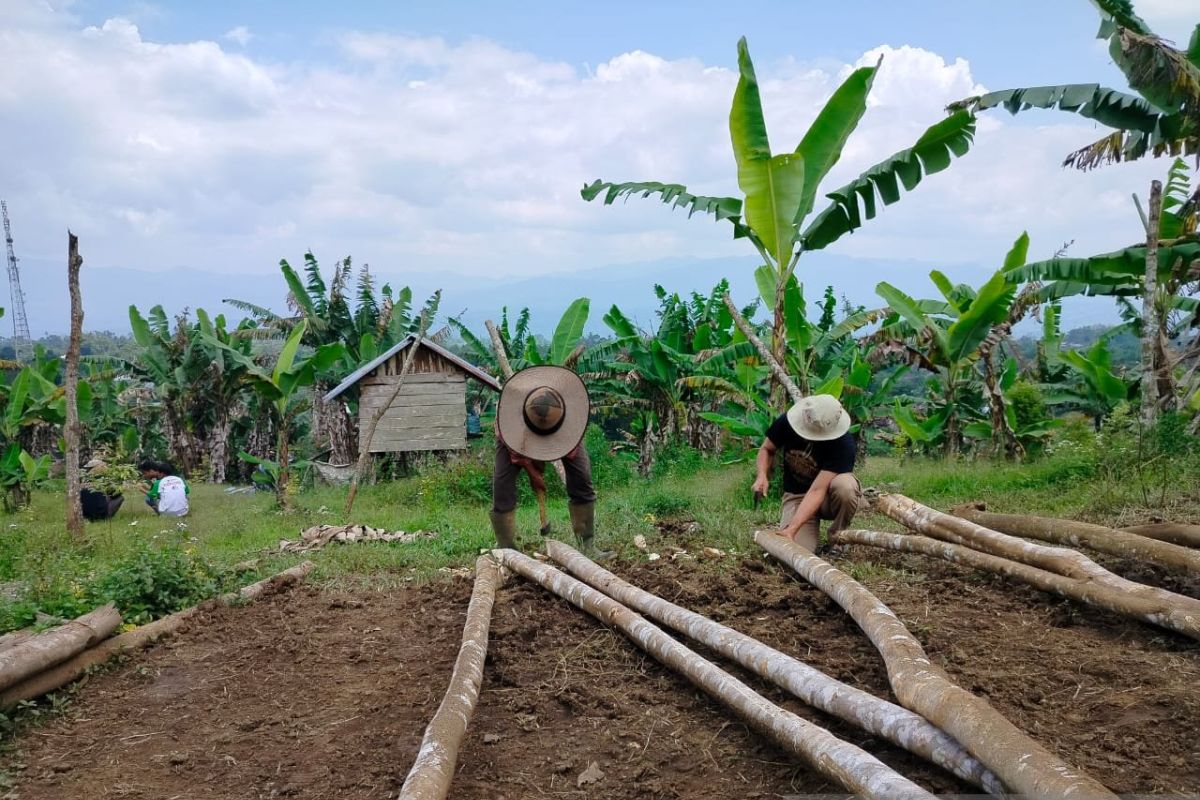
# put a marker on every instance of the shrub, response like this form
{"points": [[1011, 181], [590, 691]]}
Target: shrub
{"points": [[665, 504], [610, 469], [156, 580]]}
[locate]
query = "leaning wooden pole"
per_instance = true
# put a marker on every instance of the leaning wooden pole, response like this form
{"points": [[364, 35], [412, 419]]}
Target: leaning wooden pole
{"points": [[776, 368], [837, 760], [1086, 592], [72, 432], [364, 455], [1023, 765], [43, 650], [140, 637], [1175, 611], [1084, 534], [433, 770], [875, 715]]}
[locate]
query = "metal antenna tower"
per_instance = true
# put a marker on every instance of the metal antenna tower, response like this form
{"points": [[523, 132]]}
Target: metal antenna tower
{"points": [[22, 342]]}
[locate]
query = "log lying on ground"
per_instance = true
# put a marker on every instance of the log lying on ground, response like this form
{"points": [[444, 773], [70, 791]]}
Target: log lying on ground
{"points": [[839, 761], [433, 770], [1084, 534], [1084, 591], [1023, 765], [55, 645], [1174, 611], [873, 714], [142, 636], [1173, 532]]}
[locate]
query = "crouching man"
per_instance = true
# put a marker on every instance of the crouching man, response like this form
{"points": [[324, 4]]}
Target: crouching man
{"points": [[818, 468]]}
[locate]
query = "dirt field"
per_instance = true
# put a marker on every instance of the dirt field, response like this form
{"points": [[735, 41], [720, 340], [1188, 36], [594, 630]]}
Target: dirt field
{"points": [[322, 694]]}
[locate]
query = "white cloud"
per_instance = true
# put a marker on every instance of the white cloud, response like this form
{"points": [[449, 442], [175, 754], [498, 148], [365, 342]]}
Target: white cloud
{"points": [[422, 155], [240, 35]]}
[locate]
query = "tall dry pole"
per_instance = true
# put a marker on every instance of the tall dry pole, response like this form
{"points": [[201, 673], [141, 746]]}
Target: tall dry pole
{"points": [[1150, 311], [72, 430]]}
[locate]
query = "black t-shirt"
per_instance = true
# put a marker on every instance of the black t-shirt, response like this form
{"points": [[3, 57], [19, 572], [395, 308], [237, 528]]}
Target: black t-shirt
{"points": [[803, 458]]}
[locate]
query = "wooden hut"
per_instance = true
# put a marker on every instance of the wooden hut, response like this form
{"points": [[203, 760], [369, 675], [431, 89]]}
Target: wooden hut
{"points": [[429, 413]]}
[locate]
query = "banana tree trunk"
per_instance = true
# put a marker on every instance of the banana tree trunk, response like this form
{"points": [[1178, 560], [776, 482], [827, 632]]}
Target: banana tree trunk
{"points": [[1177, 612], [285, 472], [1084, 592], [218, 446], [433, 770], [878, 717], [1023, 765], [833, 758], [1084, 534], [332, 426], [1004, 439]]}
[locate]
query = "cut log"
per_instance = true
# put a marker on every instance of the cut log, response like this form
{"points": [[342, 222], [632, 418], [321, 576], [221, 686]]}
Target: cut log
{"points": [[1176, 611], [1173, 532], [142, 636], [1084, 534], [1023, 765], [43, 650], [1085, 592], [833, 758], [875, 715], [433, 770]]}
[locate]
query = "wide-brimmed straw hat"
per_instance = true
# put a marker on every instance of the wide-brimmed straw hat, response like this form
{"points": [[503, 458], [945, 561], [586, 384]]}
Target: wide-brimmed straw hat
{"points": [[819, 418], [543, 412]]}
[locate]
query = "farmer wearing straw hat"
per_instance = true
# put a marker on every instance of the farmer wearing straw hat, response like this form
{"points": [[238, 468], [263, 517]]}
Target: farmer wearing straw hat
{"points": [[818, 468], [542, 416]]}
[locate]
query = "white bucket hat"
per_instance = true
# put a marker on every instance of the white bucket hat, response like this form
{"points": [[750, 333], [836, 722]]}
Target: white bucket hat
{"points": [[819, 418]]}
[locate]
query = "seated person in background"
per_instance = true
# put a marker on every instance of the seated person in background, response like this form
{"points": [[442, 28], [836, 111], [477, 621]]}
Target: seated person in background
{"points": [[168, 493], [95, 504]]}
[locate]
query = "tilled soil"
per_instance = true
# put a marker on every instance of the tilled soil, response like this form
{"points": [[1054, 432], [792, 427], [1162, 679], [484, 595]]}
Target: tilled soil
{"points": [[323, 693]]}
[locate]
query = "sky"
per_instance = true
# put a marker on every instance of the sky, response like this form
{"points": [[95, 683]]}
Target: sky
{"points": [[445, 143]]}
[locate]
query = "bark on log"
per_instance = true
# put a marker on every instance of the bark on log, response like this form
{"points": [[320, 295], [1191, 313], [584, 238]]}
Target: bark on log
{"points": [[43, 650], [433, 770], [1084, 534], [1173, 532], [1023, 765], [72, 431], [140, 637], [1175, 611], [839, 761], [1084, 591], [875, 715]]}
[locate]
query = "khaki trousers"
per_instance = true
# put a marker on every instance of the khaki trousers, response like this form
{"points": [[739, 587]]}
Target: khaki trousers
{"points": [[842, 501]]}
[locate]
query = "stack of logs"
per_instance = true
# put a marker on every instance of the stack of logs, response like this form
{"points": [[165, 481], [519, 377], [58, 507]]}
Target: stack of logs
{"points": [[35, 663]]}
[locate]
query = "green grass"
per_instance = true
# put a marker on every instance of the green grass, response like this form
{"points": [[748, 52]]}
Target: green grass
{"points": [[42, 569]]}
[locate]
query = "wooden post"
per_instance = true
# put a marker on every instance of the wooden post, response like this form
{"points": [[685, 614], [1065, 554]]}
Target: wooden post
{"points": [[1150, 329], [72, 431], [776, 368]]}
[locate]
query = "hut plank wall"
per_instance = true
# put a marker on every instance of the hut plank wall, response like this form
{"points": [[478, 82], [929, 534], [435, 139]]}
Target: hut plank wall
{"points": [[428, 414]]}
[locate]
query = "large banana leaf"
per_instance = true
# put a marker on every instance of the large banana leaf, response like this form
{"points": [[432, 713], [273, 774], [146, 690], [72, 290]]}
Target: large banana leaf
{"points": [[1119, 272], [287, 355], [616, 320], [907, 307], [673, 194], [989, 308], [822, 144], [855, 201], [569, 330], [1109, 107], [774, 185]]}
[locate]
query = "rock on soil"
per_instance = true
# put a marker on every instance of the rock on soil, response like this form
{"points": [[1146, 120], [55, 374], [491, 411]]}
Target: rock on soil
{"points": [[325, 693]]}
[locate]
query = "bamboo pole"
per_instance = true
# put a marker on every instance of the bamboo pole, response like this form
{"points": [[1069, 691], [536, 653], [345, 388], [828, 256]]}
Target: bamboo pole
{"points": [[1175, 611], [1086, 592], [1084, 534], [876, 716], [43, 650], [1173, 532], [776, 368], [140, 637], [1023, 765], [433, 770], [838, 761]]}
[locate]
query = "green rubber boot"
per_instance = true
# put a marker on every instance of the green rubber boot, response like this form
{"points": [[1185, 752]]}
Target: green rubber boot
{"points": [[504, 525], [583, 524]]}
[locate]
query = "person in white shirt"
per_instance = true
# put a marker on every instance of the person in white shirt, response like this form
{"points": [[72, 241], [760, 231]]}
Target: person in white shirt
{"points": [[168, 493]]}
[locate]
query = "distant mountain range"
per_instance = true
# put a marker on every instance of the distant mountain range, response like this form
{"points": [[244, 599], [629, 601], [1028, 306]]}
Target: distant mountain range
{"points": [[109, 291]]}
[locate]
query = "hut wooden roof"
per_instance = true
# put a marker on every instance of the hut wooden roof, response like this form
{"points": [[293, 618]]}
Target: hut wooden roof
{"points": [[470, 369]]}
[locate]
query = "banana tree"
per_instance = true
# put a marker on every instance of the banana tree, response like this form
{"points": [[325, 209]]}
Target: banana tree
{"points": [[566, 345], [281, 388], [780, 191], [951, 343], [1162, 118]]}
